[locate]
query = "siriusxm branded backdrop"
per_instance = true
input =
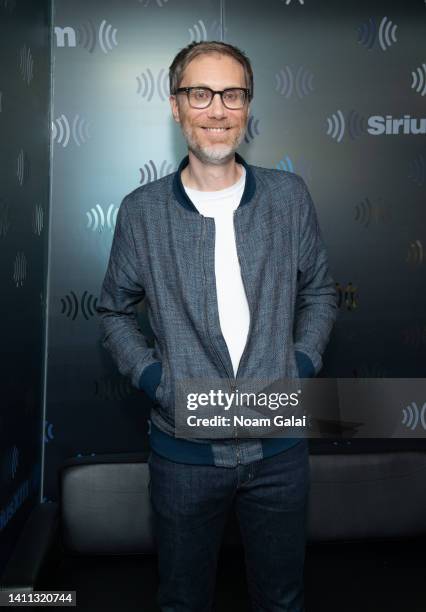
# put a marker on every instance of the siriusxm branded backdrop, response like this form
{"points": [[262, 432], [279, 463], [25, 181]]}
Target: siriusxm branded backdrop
{"points": [[24, 210], [339, 97]]}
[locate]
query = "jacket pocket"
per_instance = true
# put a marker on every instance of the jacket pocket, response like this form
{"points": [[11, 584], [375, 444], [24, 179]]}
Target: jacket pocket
{"points": [[304, 365], [159, 393]]}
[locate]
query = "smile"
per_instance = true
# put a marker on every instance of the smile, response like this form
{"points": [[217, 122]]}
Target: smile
{"points": [[216, 129]]}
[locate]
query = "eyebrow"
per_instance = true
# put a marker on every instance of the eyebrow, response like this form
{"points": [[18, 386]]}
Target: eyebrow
{"points": [[208, 86]]}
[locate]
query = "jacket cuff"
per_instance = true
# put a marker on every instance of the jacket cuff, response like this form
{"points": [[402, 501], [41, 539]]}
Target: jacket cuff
{"points": [[150, 379], [305, 366]]}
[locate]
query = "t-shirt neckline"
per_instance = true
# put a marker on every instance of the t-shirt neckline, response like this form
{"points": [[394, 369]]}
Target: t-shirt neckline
{"points": [[220, 193]]}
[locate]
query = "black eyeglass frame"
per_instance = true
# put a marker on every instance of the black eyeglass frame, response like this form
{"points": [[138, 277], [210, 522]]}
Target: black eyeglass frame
{"points": [[187, 90]]}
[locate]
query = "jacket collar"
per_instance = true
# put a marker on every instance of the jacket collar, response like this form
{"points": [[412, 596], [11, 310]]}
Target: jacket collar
{"points": [[183, 199]]}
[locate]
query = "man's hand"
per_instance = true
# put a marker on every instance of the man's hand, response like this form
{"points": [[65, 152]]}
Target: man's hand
{"points": [[150, 379]]}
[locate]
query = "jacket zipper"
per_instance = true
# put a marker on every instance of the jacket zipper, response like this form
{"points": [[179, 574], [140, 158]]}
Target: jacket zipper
{"points": [[234, 386], [205, 313], [232, 381], [247, 297]]}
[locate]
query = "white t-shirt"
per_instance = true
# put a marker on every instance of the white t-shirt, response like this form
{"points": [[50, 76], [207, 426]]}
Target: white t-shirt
{"points": [[234, 313]]}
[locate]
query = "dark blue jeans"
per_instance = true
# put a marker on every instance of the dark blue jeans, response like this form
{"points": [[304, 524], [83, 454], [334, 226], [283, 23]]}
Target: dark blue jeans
{"points": [[190, 506]]}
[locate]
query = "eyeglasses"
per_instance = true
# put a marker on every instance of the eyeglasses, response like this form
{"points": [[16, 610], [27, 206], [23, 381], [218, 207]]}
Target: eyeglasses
{"points": [[201, 97]]}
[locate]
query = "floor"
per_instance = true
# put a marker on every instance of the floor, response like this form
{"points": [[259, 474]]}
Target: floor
{"points": [[349, 577]]}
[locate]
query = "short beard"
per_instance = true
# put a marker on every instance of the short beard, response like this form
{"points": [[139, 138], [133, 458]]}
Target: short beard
{"points": [[216, 157]]}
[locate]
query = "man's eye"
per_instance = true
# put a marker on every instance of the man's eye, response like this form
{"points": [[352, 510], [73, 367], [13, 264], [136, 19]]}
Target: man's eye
{"points": [[200, 94], [232, 95]]}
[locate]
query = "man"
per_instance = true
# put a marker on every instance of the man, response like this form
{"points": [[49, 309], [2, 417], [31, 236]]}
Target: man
{"points": [[230, 260]]}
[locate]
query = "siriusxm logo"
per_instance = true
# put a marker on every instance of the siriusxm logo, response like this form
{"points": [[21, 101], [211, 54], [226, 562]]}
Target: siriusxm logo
{"points": [[378, 125], [354, 125]]}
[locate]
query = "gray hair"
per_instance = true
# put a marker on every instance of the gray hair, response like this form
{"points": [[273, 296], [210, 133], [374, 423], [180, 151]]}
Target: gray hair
{"points": [[188, 53]]}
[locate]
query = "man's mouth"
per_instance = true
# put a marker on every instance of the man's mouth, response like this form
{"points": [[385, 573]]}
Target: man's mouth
{"points": [[216, 129]]}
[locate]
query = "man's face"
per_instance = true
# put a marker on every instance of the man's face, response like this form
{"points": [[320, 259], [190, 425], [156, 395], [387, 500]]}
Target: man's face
{"points": [[217, 72]]}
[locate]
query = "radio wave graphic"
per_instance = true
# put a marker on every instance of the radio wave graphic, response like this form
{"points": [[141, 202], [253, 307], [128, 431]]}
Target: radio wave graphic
{"points": [[14, 461], [163, 84], [96, 220], [86, 36], [107, 37], [216, 30], [304, 85], [166, 168], [22, 167], [366, 212], [80, 130], [160, 3], [198, 32], [356, 124], [285, 164], [347, 296], [287, 2], [9, 5], [37, 220], [415, 253], [286, 82], [385, 33], [61, 131], [252, 129], [304, 168], [150, 173], [336, 126], [415, 336], [418, 170], [48, 433], [375, 370], [112, 390], [363, 212], [146, 85], [4, 217], [419, 80], [71, 305], [26, 64], [412, 416], [367, 33], [20, 269]]}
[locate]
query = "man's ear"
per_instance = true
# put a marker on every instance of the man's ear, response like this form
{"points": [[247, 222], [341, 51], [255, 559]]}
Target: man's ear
{"points": [[175, 108]]}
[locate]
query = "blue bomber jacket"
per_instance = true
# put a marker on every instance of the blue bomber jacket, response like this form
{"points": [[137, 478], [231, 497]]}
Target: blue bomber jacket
{"points": [[163, 251]]}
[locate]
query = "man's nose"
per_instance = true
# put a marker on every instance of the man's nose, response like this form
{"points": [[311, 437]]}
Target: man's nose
{"points": [[217, 107]]}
